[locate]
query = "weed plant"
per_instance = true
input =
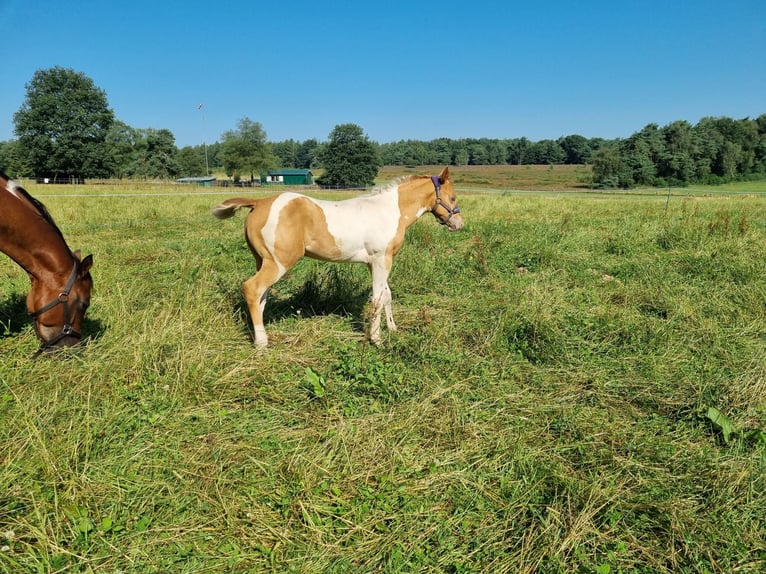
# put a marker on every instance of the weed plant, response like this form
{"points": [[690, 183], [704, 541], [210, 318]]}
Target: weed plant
{"points": [[578, 384]]}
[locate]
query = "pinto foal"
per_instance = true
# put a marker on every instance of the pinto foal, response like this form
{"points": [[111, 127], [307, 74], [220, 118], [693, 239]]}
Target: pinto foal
{"points": [[369, 229]]}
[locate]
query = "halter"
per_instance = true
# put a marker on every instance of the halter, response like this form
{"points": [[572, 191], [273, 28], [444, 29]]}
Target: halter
{"points": [[67, 330], [450, 210]]}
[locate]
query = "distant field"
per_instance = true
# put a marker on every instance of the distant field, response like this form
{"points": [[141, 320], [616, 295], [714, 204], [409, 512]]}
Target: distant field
{"points": [[505, 177], [578, 385], [535, 178]]}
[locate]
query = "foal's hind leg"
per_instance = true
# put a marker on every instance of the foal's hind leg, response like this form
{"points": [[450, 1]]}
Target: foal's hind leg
{"points": [[389, 313], [256, 290], [381, 298]]}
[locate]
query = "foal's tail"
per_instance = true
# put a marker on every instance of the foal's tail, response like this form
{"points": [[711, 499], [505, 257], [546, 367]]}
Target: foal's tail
{"points": [[230, 206]]}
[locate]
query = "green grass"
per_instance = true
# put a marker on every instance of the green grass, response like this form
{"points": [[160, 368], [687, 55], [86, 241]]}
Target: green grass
{"points": [[544, 406]]}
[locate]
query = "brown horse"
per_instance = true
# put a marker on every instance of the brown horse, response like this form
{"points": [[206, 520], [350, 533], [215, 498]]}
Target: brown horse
{"points": [[368, 229], [61, 281]]}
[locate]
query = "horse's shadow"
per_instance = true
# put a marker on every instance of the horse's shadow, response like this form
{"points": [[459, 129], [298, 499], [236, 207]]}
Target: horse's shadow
{"points": [[14, 318], [13, 315]]}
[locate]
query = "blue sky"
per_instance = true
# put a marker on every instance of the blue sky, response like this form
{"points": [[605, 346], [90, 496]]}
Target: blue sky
{"points": [[399, 69]]}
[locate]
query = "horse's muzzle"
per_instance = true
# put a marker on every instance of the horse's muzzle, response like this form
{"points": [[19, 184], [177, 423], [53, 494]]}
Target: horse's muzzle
{"points": [[455, 222]]}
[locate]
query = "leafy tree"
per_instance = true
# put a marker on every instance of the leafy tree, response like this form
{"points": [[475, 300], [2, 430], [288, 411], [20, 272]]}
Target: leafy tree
{"points": [[191, 161], [286, 153], [11, 162], [63, 124], [160, 160], [577, 149], [760, 147], [641, 153], [710, 141], [441, 150], [122, 141], [607, 166], [517, 151], [350, 159], [5, 151], [676, 164], [147, 153], [544, 152], [497, 150], [477, 154], [307, 154], [295, 154], [245, 150]]}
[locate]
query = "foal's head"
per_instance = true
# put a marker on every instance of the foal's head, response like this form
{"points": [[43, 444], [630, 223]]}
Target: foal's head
{"points": [[445, 209], [58, 310]]}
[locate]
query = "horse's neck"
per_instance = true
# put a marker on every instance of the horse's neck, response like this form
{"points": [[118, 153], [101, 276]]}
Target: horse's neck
{"points": [[29, 239], [415, 199]]}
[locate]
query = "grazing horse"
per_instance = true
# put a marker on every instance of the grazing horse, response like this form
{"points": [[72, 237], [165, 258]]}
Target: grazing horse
{"points": [[61, 281], [368, 229]]}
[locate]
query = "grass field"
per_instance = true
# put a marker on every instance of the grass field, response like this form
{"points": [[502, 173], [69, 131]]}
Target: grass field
{"points": [[578, 384]]}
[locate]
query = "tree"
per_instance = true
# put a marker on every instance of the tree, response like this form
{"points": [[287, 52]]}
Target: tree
{"points": [[577, 149], [607, 166], [121, 141], [676, 165], [10, 162], [544, 152], [349, 158], [517, 151], [307, 154], [191, 161], [160, 160], [286, 153], [477, 154], [245, 150], [62, 125]]}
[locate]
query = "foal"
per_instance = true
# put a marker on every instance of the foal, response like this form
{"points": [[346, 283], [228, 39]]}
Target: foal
{"points": [[369, 229]]}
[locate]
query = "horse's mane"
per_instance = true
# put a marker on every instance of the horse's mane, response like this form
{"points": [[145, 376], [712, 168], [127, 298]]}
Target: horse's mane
{"points": [[36, 203], [391, 185]]}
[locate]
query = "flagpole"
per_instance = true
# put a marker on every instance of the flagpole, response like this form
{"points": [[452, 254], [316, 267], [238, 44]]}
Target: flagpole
{"points": [[204, 142]]}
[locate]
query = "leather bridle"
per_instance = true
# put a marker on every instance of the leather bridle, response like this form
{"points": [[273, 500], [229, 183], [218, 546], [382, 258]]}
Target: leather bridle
{"points": [[450, 210], [67, 330]]}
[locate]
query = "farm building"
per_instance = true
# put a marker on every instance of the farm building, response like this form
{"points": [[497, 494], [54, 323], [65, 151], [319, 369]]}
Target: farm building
{"points": [[203, 181], [288, 177]]}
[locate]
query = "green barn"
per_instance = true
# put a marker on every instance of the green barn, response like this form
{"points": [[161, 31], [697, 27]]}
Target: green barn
{"points": [[288, 177]]}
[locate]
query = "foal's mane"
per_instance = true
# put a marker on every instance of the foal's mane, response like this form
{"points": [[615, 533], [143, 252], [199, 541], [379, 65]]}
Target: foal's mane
{"points": [[36, 203], [391, 185]]}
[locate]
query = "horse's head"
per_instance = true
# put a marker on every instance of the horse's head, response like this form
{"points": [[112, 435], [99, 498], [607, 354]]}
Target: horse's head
{"points": [[58, 310], [445, 209]]}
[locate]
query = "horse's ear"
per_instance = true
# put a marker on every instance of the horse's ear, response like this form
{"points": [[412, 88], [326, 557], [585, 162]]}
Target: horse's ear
{"points": [[444, 175], [85, 264]]}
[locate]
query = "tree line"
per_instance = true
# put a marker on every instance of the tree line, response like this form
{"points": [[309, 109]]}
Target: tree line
{"points": [[66, 129]]}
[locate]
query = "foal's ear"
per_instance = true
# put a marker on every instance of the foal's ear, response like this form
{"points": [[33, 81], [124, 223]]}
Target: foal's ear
{"points": [[444, 175]]}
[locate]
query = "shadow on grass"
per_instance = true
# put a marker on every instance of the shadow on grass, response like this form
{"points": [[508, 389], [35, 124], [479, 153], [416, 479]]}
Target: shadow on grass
{"points": [[328, 290], [13, 315], [14, 319]]}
